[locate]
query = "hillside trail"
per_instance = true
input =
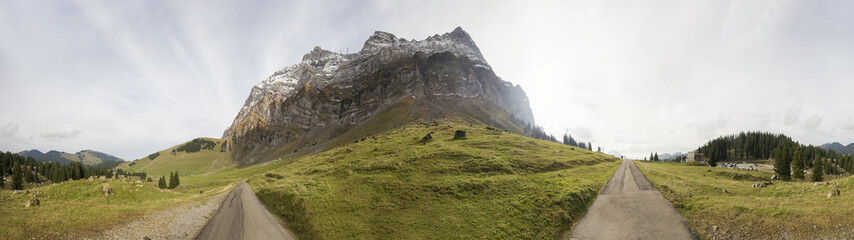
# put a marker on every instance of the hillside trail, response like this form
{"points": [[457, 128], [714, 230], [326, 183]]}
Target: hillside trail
{"points": [[213, 164], [629, 207], [242, 216]]}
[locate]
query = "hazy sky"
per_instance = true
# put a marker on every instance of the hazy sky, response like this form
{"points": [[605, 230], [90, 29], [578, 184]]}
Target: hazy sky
{"points": [[134, 77]]}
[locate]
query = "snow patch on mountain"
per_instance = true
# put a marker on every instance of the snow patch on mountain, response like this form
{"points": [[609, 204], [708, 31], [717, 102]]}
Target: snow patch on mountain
{"points": [[320, 68], [457, 42]]}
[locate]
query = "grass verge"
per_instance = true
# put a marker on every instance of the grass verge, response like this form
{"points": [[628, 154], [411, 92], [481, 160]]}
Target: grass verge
{"points": [[783, 210]]}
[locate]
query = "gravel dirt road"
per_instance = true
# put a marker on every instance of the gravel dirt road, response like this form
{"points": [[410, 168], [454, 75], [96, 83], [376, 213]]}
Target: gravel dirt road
{"points": [[182, 222], [629, 207], [242, 216]]}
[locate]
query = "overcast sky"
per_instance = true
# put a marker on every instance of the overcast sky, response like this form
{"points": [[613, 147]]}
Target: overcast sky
{"points": [[133, 77]]}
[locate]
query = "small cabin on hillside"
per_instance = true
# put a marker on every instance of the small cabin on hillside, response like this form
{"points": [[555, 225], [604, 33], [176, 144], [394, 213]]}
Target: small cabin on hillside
{"points": [[695, 156]]}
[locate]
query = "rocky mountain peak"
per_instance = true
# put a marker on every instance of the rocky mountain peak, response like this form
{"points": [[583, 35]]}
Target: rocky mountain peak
{"points": [[318, 54], [462, 37], [379, 41], [460, 34], [328, 94], [457, 42]]}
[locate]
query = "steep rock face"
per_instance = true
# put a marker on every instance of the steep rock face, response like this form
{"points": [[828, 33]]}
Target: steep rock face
{"points": [[328, 93]]}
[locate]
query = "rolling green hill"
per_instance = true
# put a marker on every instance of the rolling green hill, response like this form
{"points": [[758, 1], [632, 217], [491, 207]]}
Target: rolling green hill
{"points": [[198, 156], [397, 186]]}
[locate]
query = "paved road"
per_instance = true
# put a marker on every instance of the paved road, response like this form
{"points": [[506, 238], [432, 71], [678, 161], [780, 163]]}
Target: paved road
{"points": [[241, 216], [629, 207]]}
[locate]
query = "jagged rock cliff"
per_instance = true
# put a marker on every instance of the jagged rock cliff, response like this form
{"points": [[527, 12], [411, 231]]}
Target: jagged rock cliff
{"points": [[328, 94]]}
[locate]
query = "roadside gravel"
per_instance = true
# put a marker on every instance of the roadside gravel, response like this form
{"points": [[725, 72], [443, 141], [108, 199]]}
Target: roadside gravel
{"points": [[182, 222]]}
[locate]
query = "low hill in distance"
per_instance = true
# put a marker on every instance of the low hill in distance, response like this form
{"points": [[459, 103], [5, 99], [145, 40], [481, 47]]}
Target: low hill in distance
{"points": [[839, 148], [198, 156], [677, 156], [87, 157]]}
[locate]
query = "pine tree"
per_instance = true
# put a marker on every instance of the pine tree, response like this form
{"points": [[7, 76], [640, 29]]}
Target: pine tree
{"points": [[567, 140], [162, 182], [173, 180], [589, 146], [17, 178], [828, 166], [599, 149], [656, 157], [651, 157], [782, 163], [28, 175], [797, 165], [817, 170]]}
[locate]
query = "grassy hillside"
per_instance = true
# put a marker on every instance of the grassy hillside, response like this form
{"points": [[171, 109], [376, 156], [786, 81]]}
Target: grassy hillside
{"points": [[402, 112], [76, 209], [395, 186], [173, 159], [798, 210]]}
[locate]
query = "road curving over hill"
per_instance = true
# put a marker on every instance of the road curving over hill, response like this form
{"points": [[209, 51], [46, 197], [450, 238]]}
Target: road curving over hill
{"points": [[242, 216], [629, 207]]}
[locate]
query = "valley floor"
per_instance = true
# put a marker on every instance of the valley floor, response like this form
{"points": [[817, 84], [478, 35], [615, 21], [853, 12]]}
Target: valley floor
{"points": [[79, 209], [393, 185], [723, 204]]}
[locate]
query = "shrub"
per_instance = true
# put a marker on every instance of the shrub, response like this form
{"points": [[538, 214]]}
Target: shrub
{"points": [[196, 145], [273, 175]]}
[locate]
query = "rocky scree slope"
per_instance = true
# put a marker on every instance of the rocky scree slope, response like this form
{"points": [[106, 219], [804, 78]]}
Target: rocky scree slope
{"points": [[328, 94]]}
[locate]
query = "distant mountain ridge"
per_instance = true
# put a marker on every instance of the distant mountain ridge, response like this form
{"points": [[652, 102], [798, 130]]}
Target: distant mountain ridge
{"points": [[668, 156], [87, 157], [839, 148]]}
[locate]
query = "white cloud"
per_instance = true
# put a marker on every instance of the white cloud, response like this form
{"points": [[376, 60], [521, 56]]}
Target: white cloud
{"points": [[792, 115], [848, 127], [9, 129], [55, 134], [651, 76], [813, 121]]}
